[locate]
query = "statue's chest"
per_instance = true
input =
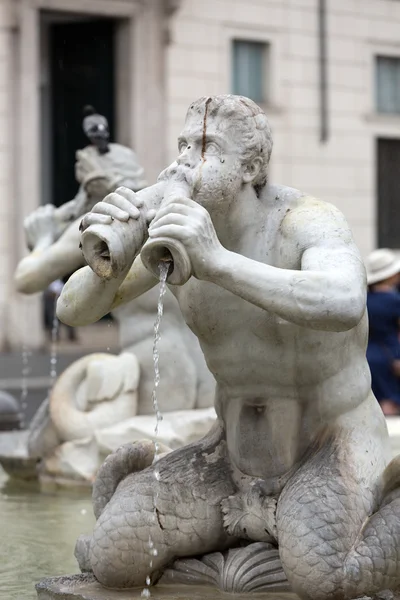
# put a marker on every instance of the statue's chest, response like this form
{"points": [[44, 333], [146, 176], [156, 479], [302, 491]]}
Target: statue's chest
{"points": [[216, 315], [212, 311]]}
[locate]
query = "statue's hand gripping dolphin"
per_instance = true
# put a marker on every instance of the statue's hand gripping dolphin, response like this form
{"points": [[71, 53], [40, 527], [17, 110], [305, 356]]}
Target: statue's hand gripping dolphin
{"points": [[189, 223], [114, 232]]}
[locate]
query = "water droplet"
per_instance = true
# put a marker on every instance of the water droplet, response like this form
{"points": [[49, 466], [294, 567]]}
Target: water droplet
{"points": [[148, 580], [157, 474], [146, 593], [155, 552]]}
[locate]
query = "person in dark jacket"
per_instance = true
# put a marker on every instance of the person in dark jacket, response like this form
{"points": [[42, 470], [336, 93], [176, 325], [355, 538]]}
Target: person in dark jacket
{"points": [[383, 303]]}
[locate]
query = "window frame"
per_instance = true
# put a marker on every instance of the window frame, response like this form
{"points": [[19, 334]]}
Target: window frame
{"points": [[273, 40], [377, 57], [264, 57], [374, 49]]}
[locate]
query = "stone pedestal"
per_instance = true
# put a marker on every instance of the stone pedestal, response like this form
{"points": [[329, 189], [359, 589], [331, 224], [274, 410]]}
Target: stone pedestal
{"points": [[85, 587]]}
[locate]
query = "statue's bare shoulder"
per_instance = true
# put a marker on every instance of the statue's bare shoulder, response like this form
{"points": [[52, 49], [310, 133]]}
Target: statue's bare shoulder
{"points": [[320, 233], [314, 222]]}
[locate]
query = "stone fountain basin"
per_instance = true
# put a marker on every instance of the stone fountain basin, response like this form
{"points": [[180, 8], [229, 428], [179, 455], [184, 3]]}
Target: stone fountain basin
{"points": [[85, 587]]}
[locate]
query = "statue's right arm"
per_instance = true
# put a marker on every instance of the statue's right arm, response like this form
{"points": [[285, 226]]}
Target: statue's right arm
{"points": [[48, 262], [86, 298]]}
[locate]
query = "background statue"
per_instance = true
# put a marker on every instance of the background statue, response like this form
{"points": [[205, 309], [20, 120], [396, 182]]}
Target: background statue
{"points": [[297, 465], [103, 391]]}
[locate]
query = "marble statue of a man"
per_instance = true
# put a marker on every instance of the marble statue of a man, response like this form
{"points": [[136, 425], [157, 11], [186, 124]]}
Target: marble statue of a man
{"points": [[299, 455]]}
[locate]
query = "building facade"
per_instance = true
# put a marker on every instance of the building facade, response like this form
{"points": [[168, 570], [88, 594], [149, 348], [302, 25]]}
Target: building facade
{"points": [[327, 73]]}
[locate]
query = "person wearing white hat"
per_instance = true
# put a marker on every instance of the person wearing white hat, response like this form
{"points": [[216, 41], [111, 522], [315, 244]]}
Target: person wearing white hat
{"points": [[383, 303]]}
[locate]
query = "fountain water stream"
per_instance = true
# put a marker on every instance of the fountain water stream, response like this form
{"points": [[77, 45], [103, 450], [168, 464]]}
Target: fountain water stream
{"points": [[164, 267], [24, 383], [25, 370], [54, 347]]}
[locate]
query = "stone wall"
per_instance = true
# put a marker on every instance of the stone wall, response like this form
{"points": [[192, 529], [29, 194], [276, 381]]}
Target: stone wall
{"points": [[342, 170]]}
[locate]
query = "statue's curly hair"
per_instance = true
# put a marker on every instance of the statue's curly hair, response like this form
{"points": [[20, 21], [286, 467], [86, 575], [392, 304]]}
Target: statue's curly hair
{"points": [[247, 117]]}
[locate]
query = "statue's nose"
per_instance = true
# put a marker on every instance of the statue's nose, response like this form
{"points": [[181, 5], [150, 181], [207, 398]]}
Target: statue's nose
{"points": [[185, 159]]}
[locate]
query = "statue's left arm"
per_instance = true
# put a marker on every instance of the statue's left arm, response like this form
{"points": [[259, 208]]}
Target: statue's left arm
{"points": [[327, 292]]}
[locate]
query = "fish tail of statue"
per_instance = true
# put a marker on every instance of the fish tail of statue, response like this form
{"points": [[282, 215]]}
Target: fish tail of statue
{"points": [[127, 459], [339, 536], [168, 510]]}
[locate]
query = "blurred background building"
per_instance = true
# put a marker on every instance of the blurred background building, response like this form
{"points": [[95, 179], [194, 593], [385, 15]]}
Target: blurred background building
{"points": [[327, 73]]}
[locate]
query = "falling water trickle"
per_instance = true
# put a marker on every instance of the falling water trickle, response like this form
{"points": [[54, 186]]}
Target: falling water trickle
{"points": [[164, 267], [25, 368], [24, 382], [54, 348]]}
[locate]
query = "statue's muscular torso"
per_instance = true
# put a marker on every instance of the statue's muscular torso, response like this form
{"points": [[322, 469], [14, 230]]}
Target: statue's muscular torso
{"points": [[278, 382]]}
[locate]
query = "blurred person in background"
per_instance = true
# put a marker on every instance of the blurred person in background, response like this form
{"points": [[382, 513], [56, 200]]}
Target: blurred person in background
{"points": [[383, 353]]}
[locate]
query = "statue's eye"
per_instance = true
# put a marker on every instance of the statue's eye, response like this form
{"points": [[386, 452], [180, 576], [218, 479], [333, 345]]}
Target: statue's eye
{"points": [[212, 148], [182, 147]]}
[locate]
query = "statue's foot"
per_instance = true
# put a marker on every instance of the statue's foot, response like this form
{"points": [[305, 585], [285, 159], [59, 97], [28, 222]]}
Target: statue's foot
{"points": [[250, 515]]}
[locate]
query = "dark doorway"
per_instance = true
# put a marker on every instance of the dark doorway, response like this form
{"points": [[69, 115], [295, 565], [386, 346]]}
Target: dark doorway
{"points": [[388, 187], [81, 57]]}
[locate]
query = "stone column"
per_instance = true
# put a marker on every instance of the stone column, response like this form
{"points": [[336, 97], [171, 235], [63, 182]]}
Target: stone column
{"points": [[7, 167], [23, 313], [148, 86]]}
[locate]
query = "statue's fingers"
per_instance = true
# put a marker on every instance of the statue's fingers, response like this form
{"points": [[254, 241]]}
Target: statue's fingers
{"points": [[171, 208], [122, 203], [94, 219], [173, 231], [150, 215], [103, 208], [130, 195], [169, 219]]}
